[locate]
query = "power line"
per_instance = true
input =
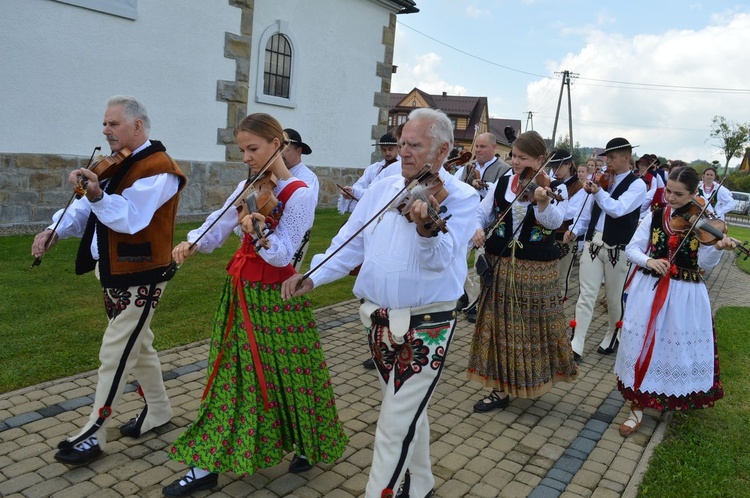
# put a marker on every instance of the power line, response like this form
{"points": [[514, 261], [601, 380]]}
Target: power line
{"points": [[636, 86], [702, 130]]}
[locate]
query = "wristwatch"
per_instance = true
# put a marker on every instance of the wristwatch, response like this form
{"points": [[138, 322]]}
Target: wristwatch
{"points": [[95, 199]]}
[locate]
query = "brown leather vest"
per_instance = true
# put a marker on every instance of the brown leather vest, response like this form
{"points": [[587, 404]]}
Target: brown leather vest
{"points": [[143, 257]]}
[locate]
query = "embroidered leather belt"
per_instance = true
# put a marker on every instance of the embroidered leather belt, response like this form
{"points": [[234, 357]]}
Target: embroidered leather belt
{"points": [[684, 274], [416, 320]]}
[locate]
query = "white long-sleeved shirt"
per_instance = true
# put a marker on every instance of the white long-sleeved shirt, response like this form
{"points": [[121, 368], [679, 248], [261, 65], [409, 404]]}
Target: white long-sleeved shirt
{"points": [[129, 212], [551, 218], [372, 173], [724, 199], [630, 200], [284, 241], [400, 268], [306, 175]]}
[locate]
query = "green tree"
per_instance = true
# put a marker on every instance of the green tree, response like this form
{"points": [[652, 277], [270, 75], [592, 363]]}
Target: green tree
{"points": [[729, 137], [564, 143]]}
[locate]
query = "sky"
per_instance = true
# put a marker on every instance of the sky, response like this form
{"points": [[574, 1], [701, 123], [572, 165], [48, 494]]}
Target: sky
{"points": [[653, 72]]}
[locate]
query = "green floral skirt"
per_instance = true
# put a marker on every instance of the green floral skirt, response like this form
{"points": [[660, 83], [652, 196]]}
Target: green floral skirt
{"points": [[242, 428]]}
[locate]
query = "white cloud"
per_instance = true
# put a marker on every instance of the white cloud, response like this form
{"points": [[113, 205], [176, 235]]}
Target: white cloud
{"points": [[424, 74], [672, 123]]}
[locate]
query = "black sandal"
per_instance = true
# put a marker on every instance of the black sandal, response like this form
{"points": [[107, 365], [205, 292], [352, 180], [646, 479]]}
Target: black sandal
{"points": [[491, 402]]}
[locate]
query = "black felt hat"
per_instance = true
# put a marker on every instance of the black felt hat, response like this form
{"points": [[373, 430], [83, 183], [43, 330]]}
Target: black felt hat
{"points": [[561, 156], [296, 140], [386, 139], [615, 144]]}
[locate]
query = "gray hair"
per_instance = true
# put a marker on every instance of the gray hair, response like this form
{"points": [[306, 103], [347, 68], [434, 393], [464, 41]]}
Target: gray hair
{"points": [[440, 129], [133, 109]]}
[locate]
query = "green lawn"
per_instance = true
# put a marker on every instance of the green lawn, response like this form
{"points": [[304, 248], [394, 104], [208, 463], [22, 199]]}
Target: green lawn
{"points": [[743, 234], [51, 320], [706, 452]]}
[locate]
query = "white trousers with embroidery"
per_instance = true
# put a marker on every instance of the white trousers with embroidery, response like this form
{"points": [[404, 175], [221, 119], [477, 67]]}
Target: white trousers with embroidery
{"points": [[127, 346], [408, 375]]}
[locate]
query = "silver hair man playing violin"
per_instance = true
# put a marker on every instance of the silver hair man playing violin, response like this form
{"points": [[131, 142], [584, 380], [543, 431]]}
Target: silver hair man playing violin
{"points": [[410, 279]]}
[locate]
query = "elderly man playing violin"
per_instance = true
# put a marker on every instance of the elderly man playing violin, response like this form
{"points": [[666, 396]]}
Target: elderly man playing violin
{"points": [[608, 224], [411, 276], [126, 224]]}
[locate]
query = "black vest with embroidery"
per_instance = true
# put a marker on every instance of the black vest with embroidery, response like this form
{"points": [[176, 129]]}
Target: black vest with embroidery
{"points": [[538, 241], [687, 258], [617, 231]]}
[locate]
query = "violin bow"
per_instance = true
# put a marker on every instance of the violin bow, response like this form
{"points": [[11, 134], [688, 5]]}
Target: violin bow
{"points": [[244, 192], [38, 259], [408, 187]]}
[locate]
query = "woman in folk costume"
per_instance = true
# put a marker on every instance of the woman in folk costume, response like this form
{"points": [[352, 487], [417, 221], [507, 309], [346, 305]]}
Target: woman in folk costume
{"points": [[520, 345], [667, 358], [268, 390], [722, 201]]}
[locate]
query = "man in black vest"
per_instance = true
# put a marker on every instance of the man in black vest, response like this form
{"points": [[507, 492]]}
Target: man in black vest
{"points": [[609, 225], [126, 224]]}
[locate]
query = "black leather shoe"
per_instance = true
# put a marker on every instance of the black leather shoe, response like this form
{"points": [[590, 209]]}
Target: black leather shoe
{"points": [[369, 364], [576, 357], [462, 303], [75, 456], [191, 484], [299, 465], [471, 314], [495, 402], [132, 428], [611, 350]]}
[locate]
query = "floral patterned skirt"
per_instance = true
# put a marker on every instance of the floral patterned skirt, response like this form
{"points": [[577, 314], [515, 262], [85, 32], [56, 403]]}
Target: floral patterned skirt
{"points": [[235, 430], [520, 343]]}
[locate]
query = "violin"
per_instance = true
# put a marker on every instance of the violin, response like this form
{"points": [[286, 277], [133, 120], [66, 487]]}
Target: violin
{"points": [[478, 177], [603, 179], [540, 180], [460, 160], [707, 228], [103, 168], [260, 199], [428, 184]]}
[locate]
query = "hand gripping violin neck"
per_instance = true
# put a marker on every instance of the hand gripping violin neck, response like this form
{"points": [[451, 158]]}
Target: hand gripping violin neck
{"points": [[103, 168]]}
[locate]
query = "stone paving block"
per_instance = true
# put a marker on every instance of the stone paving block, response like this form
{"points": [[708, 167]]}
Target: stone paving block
{"points": [[452, 488], [483, 490], [30, 451], [19, 483], [326, 482], [77, 402], [22, 419], [514, 490], [23, 467], [46, 488]]}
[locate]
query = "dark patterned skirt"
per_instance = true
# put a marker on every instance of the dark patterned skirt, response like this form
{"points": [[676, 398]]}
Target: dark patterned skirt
{"points": [[520, 343], [234, 431]]}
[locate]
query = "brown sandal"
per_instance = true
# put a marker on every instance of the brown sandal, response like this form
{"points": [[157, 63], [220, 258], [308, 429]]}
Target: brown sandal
{"points": [[633, 422]]}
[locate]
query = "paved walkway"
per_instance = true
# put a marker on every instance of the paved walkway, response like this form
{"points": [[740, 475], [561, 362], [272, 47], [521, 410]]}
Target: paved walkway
{"points": [[564, 444]]}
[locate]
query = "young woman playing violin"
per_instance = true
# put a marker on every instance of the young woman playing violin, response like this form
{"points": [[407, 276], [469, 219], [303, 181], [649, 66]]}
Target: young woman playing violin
{"points": [[667, 320], [268, 390], [519, 348]]}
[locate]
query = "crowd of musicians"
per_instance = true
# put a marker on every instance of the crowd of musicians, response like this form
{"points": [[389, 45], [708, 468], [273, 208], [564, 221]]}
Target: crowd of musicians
{"points": [[632, 228]]}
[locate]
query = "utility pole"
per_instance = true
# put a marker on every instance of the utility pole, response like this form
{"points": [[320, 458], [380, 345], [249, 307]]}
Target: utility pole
{"points": [[567, 75], [529, 117]]}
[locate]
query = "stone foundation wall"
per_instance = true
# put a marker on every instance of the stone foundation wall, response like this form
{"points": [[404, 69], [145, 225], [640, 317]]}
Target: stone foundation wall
{"points": [[34, 186]]}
